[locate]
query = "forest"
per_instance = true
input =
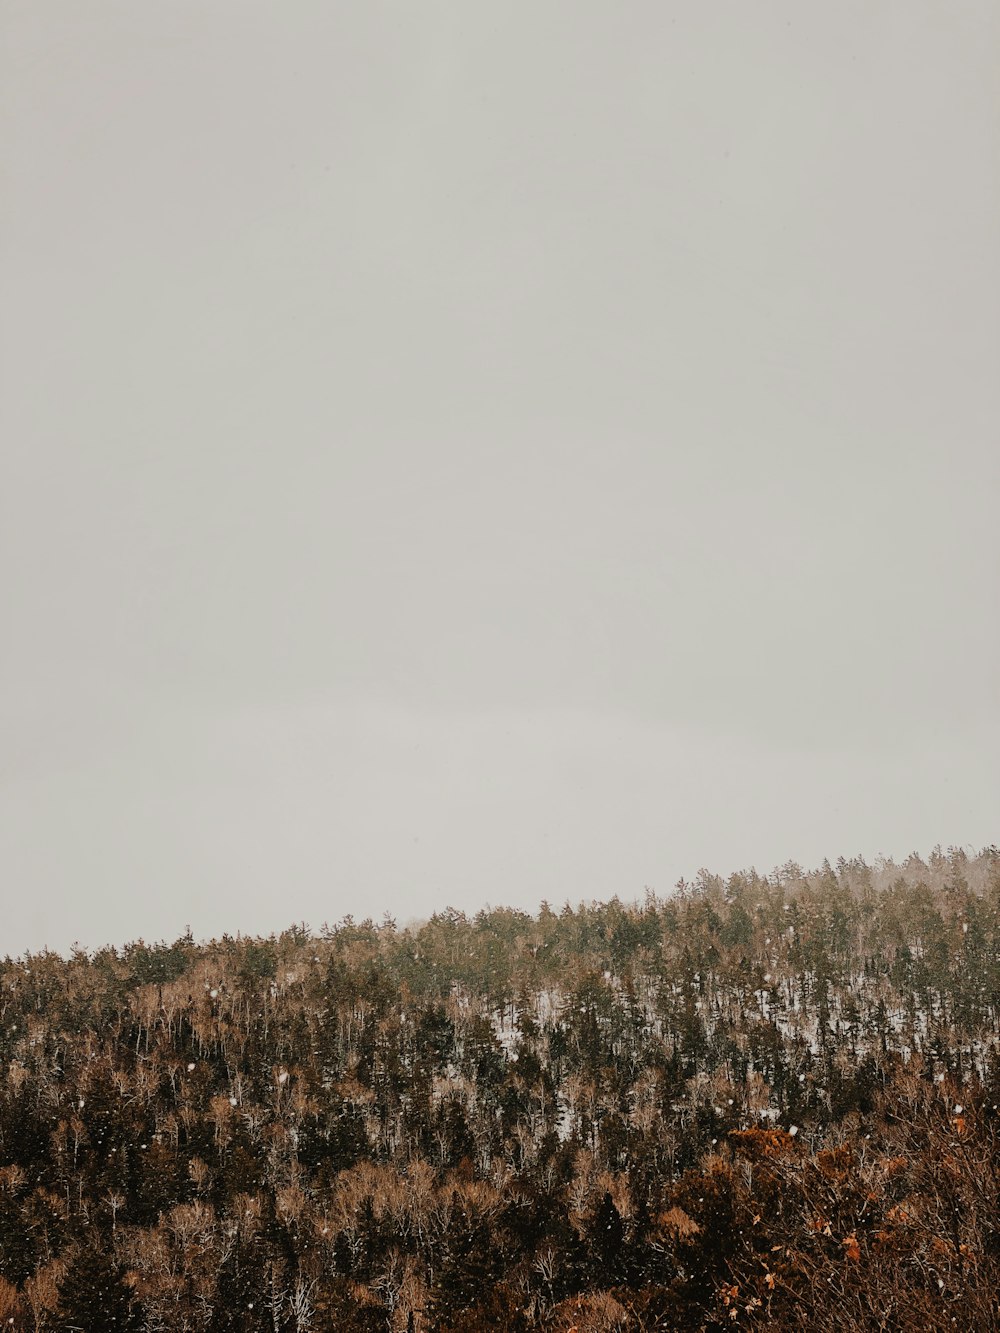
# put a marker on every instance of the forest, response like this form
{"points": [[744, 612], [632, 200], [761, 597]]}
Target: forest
{"points": [[762, 1102]]}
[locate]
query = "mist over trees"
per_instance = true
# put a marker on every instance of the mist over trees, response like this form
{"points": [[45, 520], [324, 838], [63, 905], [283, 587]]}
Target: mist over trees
{"points": [[762, 1102]]}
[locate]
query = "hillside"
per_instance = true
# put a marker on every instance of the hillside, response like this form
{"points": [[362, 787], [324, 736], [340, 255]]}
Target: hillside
{"points": [[764, 1102]]}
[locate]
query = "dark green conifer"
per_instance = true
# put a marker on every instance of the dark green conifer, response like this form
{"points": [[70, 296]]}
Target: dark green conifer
{"points": [[93, 1295]]}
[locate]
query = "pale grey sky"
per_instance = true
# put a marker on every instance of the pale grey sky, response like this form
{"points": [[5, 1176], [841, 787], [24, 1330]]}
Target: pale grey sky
{"points": [[464, 452]]}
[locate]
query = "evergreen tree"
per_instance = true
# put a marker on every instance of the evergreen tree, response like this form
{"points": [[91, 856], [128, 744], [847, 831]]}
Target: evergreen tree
{"points": [[240, 1304], [94, 1296], [606, 1240]]}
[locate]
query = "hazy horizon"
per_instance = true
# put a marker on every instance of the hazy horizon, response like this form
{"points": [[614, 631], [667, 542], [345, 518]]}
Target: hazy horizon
{"points": [[456, 454], [414, 922]]}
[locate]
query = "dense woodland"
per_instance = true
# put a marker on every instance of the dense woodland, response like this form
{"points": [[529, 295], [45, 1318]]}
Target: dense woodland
{"points": [[767, 1102]]}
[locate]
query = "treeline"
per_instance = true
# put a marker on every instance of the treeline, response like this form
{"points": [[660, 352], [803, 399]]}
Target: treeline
{"points": [[762, 1102]]}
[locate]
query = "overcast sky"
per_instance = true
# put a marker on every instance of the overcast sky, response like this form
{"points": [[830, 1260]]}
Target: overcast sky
{"points": [[469, 452]]}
